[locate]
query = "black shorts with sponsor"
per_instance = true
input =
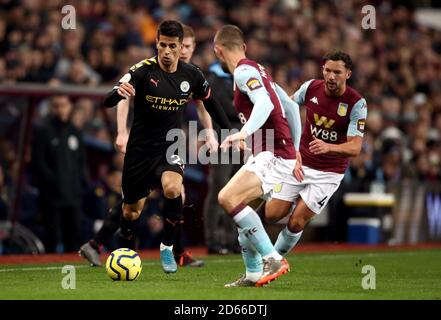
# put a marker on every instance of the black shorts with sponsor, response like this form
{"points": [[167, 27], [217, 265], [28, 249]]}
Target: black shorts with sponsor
{"points": [[141, 174]]}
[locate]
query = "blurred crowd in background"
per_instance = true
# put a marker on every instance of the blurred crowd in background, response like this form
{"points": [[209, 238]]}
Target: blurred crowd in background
{"points": [[397, 69]]}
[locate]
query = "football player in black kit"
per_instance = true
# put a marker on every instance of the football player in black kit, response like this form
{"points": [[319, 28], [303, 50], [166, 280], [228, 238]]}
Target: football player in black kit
{"points": [[91, 250], [161, 87]]}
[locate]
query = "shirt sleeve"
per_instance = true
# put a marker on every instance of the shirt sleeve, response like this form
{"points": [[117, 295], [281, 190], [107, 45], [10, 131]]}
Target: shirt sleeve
{"points": [[133, 76], [299, 95], [358, 119], [292, 114], [135, 73], [249, 81], [202, 88]]}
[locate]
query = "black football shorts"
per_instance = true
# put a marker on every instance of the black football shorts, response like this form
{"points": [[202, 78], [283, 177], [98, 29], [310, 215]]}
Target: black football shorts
{"points": [[141, 174]]}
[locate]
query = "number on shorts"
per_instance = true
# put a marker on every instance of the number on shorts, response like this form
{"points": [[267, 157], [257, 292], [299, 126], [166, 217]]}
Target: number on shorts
{"points": [[322, 202], [175, 159]]}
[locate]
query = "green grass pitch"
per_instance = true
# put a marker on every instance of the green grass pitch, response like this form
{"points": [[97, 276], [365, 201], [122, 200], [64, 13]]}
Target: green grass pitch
{"points": [[398, 275]]}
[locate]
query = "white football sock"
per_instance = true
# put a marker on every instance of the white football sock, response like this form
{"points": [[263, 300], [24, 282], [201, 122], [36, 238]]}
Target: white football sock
{"points": [[248, 220], [163, 247], [286, 241], [251, 258]]}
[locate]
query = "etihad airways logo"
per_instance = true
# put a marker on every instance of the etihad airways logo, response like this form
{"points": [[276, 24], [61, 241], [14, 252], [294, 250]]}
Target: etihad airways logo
{"points": [[167, 104]]}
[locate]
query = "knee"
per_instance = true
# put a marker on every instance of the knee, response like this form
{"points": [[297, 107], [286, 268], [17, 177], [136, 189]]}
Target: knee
{"points": [[275, 212], [130, 214], [224, 200], [271, 215], [296, 224], [270, 218], [172, 190]]}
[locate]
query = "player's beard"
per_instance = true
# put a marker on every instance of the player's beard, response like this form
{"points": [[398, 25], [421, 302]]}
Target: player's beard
{"points": [[332, 87], [333, 84]]}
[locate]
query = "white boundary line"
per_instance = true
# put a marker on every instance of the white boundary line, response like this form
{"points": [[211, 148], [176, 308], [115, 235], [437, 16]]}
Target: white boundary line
{"points": [[8, 269], [312, 256], [39, 268]]}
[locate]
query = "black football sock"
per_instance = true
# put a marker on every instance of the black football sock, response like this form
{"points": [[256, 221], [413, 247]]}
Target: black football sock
{"points": [[172, 216], [178, 246], [110, 226], [128, 232]]}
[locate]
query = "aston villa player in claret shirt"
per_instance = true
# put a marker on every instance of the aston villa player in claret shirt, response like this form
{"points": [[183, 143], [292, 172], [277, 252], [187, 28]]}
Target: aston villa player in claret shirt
{"points": [[334, 128], [257, 101]]}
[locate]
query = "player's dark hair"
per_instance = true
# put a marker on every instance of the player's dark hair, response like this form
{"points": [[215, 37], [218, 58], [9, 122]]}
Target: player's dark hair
{"points": [[229, 36], [171, 28], [339, 56]]}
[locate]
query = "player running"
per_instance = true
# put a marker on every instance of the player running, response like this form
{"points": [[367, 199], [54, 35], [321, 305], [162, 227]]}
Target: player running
{"points": [[333, 132], [258, 104], [91, 249], [163, 85]]}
